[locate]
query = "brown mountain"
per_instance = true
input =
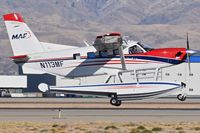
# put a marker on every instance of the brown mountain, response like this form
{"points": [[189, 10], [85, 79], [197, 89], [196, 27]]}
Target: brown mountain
{"points": [[161, 23]]}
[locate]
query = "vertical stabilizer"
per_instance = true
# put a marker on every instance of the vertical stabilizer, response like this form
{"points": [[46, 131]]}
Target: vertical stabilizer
{"points": [[22, 39]]}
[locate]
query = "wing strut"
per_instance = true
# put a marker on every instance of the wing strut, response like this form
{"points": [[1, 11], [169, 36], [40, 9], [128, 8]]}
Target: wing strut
{"points": [[122, 54]]}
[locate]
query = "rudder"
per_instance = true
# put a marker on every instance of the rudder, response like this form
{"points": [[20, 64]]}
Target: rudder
{"points": [[22, 39]]}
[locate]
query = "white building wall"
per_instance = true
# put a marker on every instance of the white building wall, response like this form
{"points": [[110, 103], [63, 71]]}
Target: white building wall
{"points": [[13, 81]]}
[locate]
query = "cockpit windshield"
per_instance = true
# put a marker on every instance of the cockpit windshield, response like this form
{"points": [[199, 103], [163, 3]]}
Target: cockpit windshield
{"points": [[145, 46], [139, 48], [135, 50]]}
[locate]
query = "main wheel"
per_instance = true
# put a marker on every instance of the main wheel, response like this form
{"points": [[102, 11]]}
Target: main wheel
{"points": [[119, 102], [115, 101]]}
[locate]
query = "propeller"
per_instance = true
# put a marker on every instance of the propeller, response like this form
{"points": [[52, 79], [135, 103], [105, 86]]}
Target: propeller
{"points": [[188, 46], [188, 54]]}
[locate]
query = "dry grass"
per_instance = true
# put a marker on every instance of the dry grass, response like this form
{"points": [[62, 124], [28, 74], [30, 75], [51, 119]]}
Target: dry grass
{"points": [[98, 127]]}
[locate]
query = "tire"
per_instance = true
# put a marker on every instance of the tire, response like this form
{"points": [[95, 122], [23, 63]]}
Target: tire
{"points": [[181, 97], [119, 102], [115, 102]]}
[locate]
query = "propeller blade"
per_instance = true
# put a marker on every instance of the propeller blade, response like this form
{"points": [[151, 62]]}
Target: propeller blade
{"points": [[188, 46], [189, 66], [188, 54]]}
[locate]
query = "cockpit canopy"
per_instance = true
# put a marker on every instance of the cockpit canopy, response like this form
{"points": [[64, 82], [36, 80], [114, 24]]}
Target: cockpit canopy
{"points": [[139, 48]]}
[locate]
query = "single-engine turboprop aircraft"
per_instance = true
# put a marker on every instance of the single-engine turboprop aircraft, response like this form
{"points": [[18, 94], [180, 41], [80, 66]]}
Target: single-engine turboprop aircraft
{"points": [[110, 55]]}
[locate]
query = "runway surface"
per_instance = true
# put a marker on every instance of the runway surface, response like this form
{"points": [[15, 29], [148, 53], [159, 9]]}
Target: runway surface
{"points": [[91, 115], [98, 109], [96, 100], [96, 103]]}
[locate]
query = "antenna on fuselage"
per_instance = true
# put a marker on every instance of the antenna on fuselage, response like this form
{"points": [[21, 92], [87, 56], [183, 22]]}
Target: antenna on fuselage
{"points": [[86, 43]]}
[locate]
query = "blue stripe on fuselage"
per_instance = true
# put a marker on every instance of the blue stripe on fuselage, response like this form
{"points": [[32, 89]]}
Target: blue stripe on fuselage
{"points": [[194, 59]]}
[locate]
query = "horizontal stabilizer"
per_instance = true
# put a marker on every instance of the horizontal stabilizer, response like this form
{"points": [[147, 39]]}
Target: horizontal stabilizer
{"points": [[20, 58]]}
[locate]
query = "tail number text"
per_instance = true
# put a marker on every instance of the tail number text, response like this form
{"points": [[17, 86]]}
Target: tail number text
{"points": [[51, 64]]}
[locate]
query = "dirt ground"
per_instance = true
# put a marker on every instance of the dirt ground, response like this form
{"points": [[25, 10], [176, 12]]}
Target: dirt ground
{"points": [[100, 127]]}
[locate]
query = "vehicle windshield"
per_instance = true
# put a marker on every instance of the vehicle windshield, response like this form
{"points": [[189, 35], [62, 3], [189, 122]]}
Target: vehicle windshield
{"points": [[145, 46]]}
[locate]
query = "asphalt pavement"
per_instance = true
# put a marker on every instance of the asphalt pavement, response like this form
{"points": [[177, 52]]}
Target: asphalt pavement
{"points": [[91, 115]]}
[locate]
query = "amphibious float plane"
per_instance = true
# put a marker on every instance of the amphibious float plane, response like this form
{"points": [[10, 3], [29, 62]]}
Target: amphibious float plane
{"points": [[110, 55]]}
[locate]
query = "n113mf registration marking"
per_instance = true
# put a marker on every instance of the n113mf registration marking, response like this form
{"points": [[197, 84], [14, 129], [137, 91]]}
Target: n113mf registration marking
{"points": [[51, 64]]}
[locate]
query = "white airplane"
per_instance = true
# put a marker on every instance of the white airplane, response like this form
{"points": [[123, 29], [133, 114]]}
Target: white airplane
{"points": [[110, 55]]}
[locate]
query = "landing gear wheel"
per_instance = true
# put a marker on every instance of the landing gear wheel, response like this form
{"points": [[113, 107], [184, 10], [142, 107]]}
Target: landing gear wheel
{"points": [[119, 102], [181, 97], [115, 102]]}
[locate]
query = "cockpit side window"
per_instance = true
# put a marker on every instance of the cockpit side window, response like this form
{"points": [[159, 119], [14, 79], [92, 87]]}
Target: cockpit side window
{"points": [[135, 50]]}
